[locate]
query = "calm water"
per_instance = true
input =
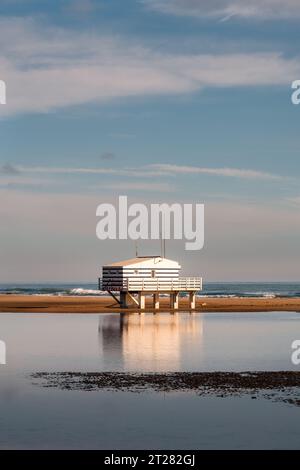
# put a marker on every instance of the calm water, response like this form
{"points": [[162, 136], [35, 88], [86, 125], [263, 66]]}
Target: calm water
{"points": [[34, 417]]}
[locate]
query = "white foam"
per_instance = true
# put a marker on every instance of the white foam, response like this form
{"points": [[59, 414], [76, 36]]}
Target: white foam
{"points": [[80, 291]]}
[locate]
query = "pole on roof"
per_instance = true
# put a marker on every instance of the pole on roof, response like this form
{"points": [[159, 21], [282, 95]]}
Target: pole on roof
{"points": [[164, 240], [160, 240]]}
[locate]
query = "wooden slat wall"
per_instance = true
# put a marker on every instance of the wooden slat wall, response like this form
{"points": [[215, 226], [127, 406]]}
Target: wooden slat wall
{"points": [[116, 275]]}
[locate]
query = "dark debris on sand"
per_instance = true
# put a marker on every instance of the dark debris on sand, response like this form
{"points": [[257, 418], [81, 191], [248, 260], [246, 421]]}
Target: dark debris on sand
{"points": [[281, 386]]}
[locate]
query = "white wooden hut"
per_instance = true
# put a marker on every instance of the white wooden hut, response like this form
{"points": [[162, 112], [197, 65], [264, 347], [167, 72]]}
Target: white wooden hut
{"points": [[147, 275]]}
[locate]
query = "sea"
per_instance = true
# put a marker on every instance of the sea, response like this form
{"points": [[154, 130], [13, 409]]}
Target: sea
{"points": [[35, 417], [210, 289]]}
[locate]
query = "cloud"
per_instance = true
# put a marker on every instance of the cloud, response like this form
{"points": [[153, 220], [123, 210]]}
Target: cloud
{"points": [[50, 178], [142, 174], [9, 169], [226, 9], [81, 7], [153, 170], [226, 172], [48, 68], [108, 156], [294, 200]]}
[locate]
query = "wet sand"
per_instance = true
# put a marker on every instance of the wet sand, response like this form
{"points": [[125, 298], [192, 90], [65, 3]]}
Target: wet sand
{"points": [[66, 304], [279, 386]]}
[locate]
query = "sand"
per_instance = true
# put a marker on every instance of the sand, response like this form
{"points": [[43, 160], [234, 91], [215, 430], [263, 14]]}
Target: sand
{"points": [[66, 304]]}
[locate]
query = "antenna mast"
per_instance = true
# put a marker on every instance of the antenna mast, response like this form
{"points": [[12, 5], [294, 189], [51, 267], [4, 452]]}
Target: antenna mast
{"points": [[160, 240], [163, 239]]}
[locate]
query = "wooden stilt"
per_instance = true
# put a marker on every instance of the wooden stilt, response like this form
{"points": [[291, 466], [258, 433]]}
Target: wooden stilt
{"points": [[114, 297], [131, 297], [174, 300], [156, 300], [123, 299], [192, 300], [141, 300]]}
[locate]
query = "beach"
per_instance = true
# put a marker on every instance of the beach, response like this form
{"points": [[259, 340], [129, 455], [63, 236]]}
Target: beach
{"points": [[93, 304]]}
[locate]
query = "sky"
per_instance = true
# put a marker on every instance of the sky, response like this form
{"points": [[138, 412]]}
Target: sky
{"points": [[162, 101]]}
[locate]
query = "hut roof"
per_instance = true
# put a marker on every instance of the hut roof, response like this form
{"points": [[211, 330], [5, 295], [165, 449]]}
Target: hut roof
{"points": [[142, 260]]}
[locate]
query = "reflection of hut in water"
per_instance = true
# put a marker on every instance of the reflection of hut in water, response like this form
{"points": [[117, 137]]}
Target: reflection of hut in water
{"points": [[110, 339], [154, 340], [150, 342]]}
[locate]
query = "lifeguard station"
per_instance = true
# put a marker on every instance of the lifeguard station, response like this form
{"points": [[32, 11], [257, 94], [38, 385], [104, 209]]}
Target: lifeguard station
{"points": [[135, 278]]}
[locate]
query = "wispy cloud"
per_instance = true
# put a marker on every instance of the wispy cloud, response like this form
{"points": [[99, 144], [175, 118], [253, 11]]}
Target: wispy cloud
{"points": [[82, 7], [141, 172], [294, 200], [107, 156], [225, 9], [46, 177], [8, 169], [226, 172], [150, 171], [50, 68]]}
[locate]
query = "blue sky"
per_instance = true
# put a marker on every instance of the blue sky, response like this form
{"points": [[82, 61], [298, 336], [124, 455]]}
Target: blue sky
{"points": [[102, 95]]}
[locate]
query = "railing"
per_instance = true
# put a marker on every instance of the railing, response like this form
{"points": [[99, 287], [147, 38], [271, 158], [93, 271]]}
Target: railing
{"points": [[152, 284]]}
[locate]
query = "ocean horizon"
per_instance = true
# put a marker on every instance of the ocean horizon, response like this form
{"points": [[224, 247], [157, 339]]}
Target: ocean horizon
{"points": [[210, 289]]}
